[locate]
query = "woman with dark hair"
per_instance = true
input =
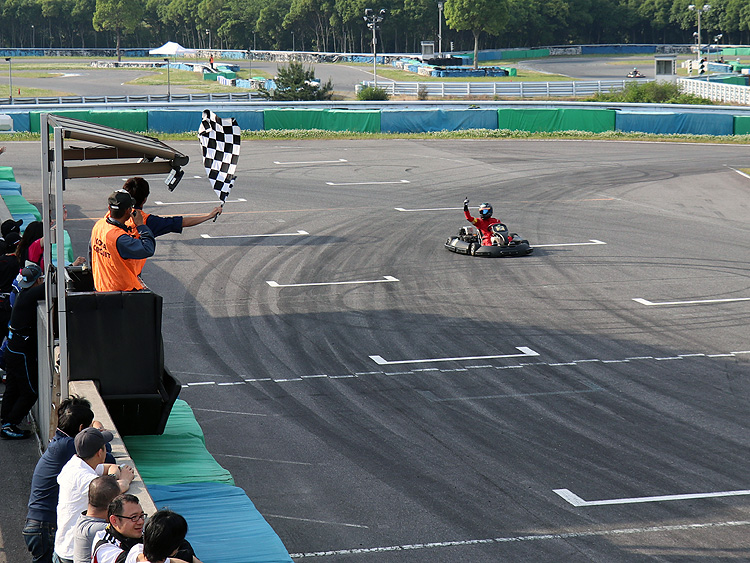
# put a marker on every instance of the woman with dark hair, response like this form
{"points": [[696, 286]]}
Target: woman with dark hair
{"points": [[34, 231], [164, 541]]}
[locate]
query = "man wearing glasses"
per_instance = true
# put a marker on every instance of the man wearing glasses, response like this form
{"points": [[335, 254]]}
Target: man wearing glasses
{"points": [[125, 529]]}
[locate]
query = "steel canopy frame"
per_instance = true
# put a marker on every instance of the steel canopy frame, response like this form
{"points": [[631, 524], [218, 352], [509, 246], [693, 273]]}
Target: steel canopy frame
{"points": [[106, 145]]}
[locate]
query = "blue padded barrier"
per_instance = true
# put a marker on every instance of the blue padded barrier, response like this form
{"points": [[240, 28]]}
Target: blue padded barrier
{"points": [[668, 123], [223, 524], [10, 188], [417, 120], [249, 120], [21, 121], [179, 121]]}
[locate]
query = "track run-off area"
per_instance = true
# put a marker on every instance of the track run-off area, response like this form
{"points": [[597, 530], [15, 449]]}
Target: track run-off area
{"points": [[382, 399]]}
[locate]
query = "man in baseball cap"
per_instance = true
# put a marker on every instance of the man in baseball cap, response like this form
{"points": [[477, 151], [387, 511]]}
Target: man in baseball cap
{"points": [[74, 480], [117, 249]]}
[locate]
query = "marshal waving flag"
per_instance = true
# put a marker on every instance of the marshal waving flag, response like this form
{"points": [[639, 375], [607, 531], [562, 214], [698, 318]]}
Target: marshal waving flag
{"points": [[220, 142]]}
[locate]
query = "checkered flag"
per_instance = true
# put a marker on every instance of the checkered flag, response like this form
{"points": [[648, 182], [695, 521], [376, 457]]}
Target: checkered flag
{"points": [[220, 141]]}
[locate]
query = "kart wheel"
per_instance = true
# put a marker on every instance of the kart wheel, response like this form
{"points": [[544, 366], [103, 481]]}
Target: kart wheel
{"points": [[473, 249]]}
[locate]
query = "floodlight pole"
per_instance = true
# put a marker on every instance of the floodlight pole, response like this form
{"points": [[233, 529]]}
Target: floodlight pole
{"points": [[10, 79], [169, 82], [373, 21], [440, 29]]}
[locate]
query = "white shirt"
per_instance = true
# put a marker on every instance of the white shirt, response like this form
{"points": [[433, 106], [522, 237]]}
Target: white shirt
{"points": [[74, 480], [135, 551]]}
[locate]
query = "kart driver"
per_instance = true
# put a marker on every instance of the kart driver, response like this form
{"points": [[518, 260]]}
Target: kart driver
{"points": [[483, 222]]}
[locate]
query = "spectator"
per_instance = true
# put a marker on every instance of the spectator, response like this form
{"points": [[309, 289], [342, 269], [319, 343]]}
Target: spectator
{"points": [[74, 479], [9, 267], [163, 541], [22, 373], [34, 231], [8, 226], [102, 491], [36, 248], [73, 415], [123, 531], [116, 250]]}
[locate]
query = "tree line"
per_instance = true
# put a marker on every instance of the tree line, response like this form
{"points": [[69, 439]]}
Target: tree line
{"points": [[337, 25]]}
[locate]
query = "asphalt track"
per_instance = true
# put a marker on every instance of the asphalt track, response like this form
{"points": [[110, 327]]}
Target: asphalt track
{"points": [[382, 399]]}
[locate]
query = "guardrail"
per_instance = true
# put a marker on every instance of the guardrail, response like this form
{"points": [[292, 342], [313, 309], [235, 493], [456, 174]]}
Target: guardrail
{"points": [[502, 89], [63, 100]]}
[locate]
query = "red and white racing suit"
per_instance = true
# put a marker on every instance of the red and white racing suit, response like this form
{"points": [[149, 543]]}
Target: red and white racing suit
{"points": [[483, 225]]}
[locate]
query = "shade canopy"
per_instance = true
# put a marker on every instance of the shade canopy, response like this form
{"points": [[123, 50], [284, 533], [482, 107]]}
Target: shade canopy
{"points": [[171, 48]]}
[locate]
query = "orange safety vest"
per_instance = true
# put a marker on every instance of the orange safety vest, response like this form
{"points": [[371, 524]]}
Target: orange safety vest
{"points": [[111, 271]]}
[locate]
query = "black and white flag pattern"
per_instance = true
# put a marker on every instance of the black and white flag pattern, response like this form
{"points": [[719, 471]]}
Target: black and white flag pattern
{"points": [[220, 142]]}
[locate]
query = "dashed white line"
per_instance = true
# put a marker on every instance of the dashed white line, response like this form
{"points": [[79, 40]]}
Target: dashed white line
{"points": [[523, 349], [238, 200], [386, 279], [366, 183], [648, 303], [589, 243], [530, 537], [312, 162]]}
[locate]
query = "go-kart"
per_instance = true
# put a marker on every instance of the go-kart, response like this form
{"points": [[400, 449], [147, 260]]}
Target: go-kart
{"points": [[636, 74], [504, 243]]}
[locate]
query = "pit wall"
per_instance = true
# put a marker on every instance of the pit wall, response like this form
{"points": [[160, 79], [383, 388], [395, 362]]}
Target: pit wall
{"points": [[417, 120]]}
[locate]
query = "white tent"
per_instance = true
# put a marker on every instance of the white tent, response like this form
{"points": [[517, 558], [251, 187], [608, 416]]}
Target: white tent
{"points": [[171, 48]]}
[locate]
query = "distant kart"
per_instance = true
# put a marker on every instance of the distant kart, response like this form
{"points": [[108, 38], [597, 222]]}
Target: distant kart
{"points": [[504, 243], [636, 74]]}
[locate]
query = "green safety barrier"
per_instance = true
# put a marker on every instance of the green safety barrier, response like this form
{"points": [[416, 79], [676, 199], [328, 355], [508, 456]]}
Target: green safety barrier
{"points": [[562, 119], [6, 173], [214, 75], [736, 51], [742, 124], [177, 456], [17, 205], [364, 121], [128, 120]]}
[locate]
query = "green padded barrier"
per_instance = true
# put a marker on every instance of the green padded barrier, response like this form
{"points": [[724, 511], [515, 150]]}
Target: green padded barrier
{"points": [[742, 124], [17, 204], [6, 173], [364, 121], [128, 120], [177, 456], [564, 119]]}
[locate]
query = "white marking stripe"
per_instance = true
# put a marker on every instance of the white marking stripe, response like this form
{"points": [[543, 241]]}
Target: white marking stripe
{"points": [[314, 161], [385, 279], [533, 537], [590, 243], [575, 500], [429, 209], [696, 302], [524, 352], [298, 233], [366, 183], [194, 202]]}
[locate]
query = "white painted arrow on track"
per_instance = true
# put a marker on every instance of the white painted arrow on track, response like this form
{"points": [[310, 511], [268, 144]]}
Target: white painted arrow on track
{"points": [[525, 352], [196, 202], [575, 500], [590, 243], [695, 302], [298, 233], [386, 279]]}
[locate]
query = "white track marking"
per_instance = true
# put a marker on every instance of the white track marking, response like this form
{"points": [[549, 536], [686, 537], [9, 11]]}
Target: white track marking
{"points": [[315, 521], [524, 352], [648, 303], [429, 209], [575, 500], [590, 243], [298, 233], [386, 279], [269, 460], [238, 200], [531, 537], [313, 162], [366, 183]]}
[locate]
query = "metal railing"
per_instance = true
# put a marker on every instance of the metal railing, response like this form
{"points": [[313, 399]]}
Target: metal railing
{"points": [[501, 89], [62, 100]]}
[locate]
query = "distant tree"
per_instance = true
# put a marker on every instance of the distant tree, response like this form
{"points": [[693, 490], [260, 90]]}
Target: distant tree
{"points": [[295, 83], [477, 16], [120, 16]]}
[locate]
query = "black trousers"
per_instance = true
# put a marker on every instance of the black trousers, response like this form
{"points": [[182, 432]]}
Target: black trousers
{"points": [[21, 384]]}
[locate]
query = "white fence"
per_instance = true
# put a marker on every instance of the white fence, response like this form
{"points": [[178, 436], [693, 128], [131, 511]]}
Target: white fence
{"points": [[501, 89], [726, 93]]}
